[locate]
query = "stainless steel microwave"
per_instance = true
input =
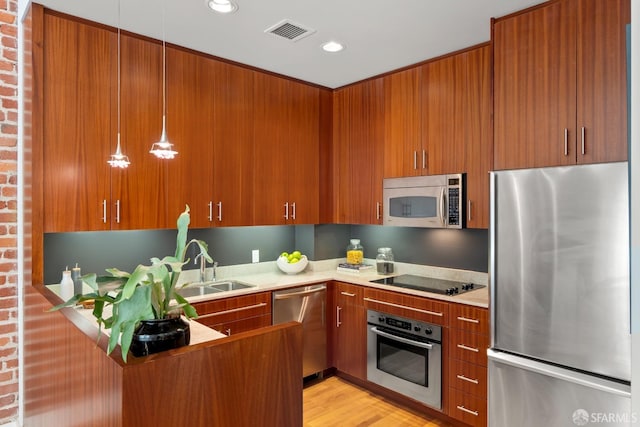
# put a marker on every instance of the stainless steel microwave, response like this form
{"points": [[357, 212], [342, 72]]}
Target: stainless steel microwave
{"points": [[433, 201]]}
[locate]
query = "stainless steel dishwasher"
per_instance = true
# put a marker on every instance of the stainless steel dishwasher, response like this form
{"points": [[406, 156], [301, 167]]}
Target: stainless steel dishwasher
{"points": [[306, 305]]}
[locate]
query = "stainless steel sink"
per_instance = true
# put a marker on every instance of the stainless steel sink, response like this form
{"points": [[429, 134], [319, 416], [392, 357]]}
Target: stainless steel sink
{"points": [[207, 288], [194, 291], [229, 285]]}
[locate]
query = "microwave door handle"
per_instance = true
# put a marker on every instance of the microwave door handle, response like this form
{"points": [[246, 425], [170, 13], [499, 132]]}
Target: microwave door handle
{"points": [[443, 202], [401, 339]]}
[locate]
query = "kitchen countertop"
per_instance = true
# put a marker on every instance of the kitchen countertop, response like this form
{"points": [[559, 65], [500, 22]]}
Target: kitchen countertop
{"points": [[267, 277]]}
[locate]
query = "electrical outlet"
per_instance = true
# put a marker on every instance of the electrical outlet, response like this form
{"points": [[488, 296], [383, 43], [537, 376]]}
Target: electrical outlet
{"points": [[255, 255]]}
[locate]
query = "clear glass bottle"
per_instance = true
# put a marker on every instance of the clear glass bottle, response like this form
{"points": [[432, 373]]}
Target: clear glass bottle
{"points": [[384, 261], [355, 252]]}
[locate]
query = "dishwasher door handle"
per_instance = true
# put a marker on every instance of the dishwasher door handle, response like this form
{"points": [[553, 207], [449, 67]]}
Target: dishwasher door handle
{"points": [[278, 296]]}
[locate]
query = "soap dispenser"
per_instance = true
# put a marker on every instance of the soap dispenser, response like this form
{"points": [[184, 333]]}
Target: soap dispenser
{"points": [[66, 285]]}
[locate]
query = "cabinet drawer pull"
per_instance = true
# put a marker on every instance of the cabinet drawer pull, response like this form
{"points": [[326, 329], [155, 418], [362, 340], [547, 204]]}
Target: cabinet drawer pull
{"points": [[210, 217], [468, 213], [419, 310], [286, 210], [118, 211], [348, 294], [424, 159], [463, 378], [566, 141], [464, 347], [377, 210], [233, 310], [582, 131], [415, 160], [338, 322], [293, 210], [468, 411], [219, 211], [104, 211], [466, 319]]}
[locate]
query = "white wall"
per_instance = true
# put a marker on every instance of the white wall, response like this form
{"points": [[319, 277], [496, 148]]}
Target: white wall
{"points": [[635, 204]]}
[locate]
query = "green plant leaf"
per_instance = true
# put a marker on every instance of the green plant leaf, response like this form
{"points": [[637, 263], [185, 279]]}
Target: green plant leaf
{"points": [[181, 240], [187, 308], [126, 314]]}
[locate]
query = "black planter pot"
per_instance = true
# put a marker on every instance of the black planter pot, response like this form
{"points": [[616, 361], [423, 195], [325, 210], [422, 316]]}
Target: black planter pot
{"points": [[155, 335]]}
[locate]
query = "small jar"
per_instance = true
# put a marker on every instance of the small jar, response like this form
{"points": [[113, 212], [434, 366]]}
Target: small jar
{"points": [[384, 261], [355, 252]]}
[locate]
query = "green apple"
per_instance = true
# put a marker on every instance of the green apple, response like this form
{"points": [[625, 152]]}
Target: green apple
{"points": [[284, 254], [296, 254]]}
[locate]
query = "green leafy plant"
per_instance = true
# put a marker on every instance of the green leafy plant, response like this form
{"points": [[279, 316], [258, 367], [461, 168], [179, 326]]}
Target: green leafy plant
{"points": [[149, 292]]}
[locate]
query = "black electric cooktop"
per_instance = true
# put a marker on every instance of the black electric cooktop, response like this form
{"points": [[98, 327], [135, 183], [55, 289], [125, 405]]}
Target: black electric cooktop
{"points": [[429, 284]]}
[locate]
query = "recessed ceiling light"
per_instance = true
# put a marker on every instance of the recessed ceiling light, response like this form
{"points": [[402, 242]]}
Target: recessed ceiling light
{"points": [[332, 47], [222, 6]]}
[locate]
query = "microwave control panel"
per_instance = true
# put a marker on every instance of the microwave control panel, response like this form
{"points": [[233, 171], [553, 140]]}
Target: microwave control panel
{"points": [[454, 206]]}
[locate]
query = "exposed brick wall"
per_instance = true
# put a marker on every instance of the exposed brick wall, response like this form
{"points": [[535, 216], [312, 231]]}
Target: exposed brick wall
{"points": [[8, 211]]}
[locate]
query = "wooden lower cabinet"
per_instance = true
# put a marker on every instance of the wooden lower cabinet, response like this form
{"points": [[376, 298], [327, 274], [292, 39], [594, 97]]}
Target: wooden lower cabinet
{"points": [[467, 377], [236, 314], [409, 306], [350, 330]]}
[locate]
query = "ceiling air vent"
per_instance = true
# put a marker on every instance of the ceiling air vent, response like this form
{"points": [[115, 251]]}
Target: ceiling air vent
{"points": [[289, 30]]}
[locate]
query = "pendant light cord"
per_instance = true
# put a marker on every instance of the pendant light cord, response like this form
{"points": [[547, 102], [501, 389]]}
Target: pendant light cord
{"points": [[164, 62], [118, 74]]}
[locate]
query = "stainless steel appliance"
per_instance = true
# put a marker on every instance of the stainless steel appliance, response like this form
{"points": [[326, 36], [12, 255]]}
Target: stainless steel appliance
{"points": [[428, 284], [433, 201], [306, 305], [559, 285], [405, 356]]}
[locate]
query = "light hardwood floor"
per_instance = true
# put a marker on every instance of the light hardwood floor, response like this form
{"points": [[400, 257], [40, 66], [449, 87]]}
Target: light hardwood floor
{"points": [[335, 402]]}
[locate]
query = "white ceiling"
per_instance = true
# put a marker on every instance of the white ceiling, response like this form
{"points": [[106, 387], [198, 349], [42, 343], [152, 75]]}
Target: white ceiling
{"points": [[378, 38]]}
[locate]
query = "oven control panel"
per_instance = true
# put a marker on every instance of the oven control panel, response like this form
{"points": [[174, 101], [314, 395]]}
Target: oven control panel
{"points": [[408, 326]]}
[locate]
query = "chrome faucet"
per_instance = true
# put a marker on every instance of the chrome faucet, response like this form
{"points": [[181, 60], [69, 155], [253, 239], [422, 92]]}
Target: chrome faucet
{"points": [[203, 267], [213, 268]]}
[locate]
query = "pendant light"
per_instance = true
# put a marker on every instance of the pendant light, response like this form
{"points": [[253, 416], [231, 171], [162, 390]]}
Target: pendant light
{"points": [[163, 149], [119, 160]]}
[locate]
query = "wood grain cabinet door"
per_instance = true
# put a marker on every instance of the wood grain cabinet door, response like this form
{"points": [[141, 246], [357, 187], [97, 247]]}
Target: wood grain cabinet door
{"points": [[351, 331], [602, 80], [79, 125], [534, 88], [359, 149]]}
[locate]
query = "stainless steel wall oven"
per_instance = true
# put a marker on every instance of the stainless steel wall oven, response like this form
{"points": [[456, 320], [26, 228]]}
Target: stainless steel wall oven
{"points": [[405, 356]]}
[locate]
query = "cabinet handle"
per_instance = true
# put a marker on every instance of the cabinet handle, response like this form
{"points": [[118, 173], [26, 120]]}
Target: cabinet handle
{"points": [[286, 210], [348, 294], [338, 322], [463, 378], [377, 210], [104, 211], [415, 160], [582, 135], [566, 141], [293, 210], [228, 331], [464, 347], [469, 210], [468, 411], [118, 211], [219, 204], [233, 310], [466, 319], [424, 159], [210, 211], [419, 310]]}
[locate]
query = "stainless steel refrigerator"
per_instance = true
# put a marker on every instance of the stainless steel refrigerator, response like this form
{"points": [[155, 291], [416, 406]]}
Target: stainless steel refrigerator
{"points": [[559, 298]]}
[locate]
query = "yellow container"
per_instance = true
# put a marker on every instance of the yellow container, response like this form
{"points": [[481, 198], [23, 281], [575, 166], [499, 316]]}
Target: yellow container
{"points": [[355, 252]]}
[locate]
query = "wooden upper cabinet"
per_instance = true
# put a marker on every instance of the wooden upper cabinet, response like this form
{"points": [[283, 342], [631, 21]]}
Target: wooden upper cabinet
{"points": [[602, 80], [359, 150], [403, 148], [190, 117], [478, 134], [560, 69], [232, 161], [443, 122], [78, 123], [286, 150]]}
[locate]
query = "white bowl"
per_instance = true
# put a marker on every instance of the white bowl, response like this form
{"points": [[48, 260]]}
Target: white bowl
{"points": [[294, 268]]}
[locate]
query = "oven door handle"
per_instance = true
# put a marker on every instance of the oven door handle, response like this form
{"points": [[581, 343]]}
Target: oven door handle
{"points": [[400, 339]]}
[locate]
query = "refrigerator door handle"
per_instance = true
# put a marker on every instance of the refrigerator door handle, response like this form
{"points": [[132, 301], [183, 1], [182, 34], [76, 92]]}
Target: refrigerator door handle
{"points": [[585, 380]]}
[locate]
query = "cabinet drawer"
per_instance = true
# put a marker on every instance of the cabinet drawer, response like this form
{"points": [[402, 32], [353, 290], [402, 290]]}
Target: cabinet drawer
{"points": [[409, 306], [243, 325], [232, 309], [472, 319], [468, 346], [467, 408], [468, 377], [353, 294]]}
